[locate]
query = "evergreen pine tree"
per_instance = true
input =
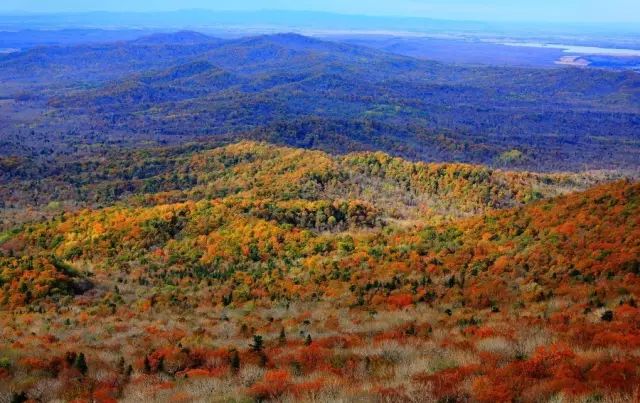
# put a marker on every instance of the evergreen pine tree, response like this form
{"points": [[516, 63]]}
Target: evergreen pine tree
{"points": [[147, 365], [234, 361], [19, 397], [81, 364], [258, 343], [121, 365]]}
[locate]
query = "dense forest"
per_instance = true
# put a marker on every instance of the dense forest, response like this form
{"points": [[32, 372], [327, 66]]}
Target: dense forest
{"points": [[405, 190], [304, 92]]}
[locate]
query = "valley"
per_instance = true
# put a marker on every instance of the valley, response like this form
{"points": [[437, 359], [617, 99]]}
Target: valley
{"points": [[304, 92], [344, 217]]}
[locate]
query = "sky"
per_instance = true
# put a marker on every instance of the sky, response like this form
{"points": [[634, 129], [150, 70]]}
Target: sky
{"points": [[587, 11]]}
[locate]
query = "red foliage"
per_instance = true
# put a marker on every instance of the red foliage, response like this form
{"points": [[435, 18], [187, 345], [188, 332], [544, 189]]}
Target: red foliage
{"points": [[276, 382], [486, 390], [618, 376], [445, 383], [307, 388], [310, 357], [550, 370], [479, 332], [400, 301], [105, 395]]}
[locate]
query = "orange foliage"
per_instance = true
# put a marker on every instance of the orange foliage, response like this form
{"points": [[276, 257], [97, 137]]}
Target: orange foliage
{"points": [[446, 383], [275, 383], [400, 301]]}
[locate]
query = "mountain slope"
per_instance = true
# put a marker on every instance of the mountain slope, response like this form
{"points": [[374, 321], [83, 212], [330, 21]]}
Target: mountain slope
{"points": [[176, 38], [402, 189], [252, 190], [65, 66], [261, 283], [319, 94]]}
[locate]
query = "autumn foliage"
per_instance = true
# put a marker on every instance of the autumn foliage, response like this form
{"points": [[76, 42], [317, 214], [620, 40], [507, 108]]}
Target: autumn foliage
{"points": [[278, 274]]}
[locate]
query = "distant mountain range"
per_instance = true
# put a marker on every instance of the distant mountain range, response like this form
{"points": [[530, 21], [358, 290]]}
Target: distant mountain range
{"points": [[296, 90], [258, 21]]}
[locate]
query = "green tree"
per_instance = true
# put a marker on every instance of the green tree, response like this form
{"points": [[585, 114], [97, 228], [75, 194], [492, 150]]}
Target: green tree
{"points": [[258, 343], [146, 365], [234, 361], [19, 397], [121, 365], [81, 364]]}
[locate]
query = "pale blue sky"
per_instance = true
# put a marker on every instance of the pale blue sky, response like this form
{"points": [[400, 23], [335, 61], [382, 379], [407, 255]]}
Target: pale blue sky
{"points": [[488, 10]]}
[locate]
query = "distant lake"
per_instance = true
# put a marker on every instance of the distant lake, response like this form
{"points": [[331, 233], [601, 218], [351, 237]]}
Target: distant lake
{"points": [[584, 50]]}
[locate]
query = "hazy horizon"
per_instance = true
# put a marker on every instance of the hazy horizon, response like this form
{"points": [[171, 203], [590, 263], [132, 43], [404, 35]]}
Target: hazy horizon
{"points": [[544, 11]]}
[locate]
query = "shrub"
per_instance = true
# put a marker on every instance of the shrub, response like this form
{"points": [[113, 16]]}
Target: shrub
{"points": [[275, 383]]}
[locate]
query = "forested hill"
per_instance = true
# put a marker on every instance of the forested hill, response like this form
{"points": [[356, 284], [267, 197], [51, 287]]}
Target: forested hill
{"points": [[249, 209], [582, 238], [401, 189], [299, 91], [254, 281]]}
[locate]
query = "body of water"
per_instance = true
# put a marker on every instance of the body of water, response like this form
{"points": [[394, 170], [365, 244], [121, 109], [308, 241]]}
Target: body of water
{"points": [[583, 50]]}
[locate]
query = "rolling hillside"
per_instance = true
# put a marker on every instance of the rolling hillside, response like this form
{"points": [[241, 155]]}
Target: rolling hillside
{"points": [[283, 218], [405, 190], [299, 91], [277, 273]]}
